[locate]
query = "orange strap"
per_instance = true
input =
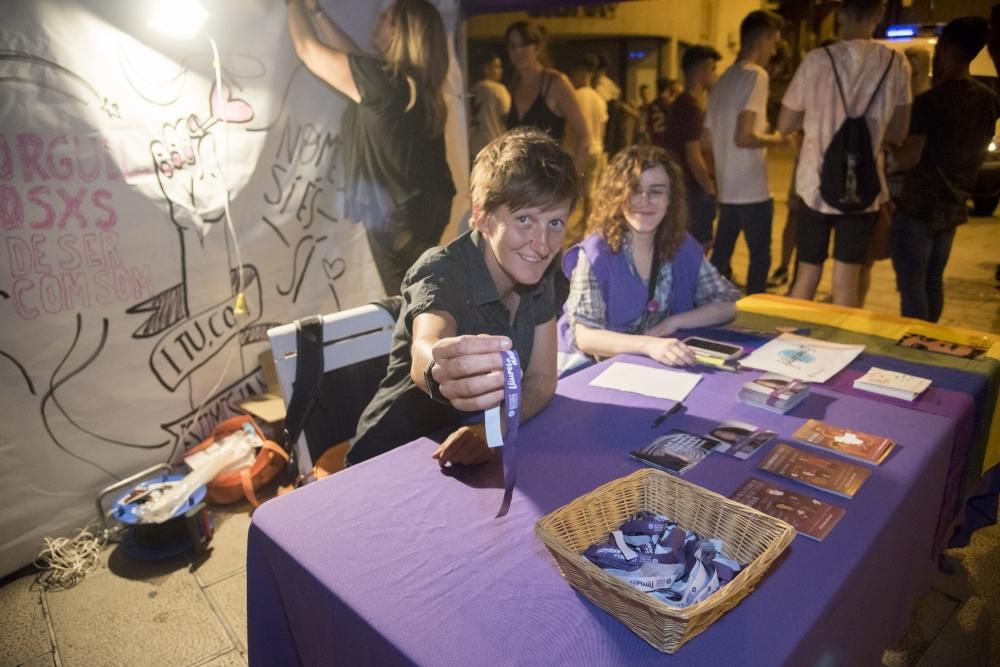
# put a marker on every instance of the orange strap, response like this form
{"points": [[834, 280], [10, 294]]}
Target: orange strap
{"points": [[247, 482], [248, 487], [275, 447]]}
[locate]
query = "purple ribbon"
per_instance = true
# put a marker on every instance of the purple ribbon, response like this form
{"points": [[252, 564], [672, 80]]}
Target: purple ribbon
{"points": [[512, 418]]}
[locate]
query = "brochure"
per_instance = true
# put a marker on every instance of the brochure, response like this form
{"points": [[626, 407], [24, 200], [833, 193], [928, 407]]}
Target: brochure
{"points": [[820, 472], [802, 358], [855, 444], [774, 392], [743, 439], [677, 451], [807, 515], [892, 384]]}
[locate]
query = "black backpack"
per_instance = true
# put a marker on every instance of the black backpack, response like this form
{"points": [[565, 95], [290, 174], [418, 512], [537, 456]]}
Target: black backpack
{"points": [[849, 180]]}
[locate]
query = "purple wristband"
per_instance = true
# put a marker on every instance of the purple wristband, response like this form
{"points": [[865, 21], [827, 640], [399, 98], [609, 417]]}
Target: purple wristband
{"points": [[512, 419]]}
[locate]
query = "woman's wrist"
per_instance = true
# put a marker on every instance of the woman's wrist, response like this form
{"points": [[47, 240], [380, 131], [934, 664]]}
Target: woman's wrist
{"points": [[648, 345]]}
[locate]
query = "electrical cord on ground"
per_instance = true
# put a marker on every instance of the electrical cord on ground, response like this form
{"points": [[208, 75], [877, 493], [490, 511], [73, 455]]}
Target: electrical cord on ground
{"points": [[65, 561]]}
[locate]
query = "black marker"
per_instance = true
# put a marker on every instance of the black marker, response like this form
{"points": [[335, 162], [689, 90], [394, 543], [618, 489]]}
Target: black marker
{"points": [[677, 407]]}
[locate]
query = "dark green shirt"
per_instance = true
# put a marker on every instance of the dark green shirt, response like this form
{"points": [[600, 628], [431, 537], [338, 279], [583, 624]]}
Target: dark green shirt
{"points": [[453, 279]]}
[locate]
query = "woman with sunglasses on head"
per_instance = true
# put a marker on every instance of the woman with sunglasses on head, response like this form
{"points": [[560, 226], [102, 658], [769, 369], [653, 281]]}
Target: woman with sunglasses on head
{"points": [[397, 178], [542, 96], [639, 276]]}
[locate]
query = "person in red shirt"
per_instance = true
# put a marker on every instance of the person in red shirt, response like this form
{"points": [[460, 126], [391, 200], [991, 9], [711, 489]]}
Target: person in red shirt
{"points": [[656, 117], [686, 116]]}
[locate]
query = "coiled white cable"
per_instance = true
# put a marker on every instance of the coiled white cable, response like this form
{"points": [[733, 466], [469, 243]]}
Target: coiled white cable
{"points": [[66, 561]]}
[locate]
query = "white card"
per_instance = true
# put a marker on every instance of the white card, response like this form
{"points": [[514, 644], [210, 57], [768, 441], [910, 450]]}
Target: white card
{"points": [[647, 381], [494, 436]]}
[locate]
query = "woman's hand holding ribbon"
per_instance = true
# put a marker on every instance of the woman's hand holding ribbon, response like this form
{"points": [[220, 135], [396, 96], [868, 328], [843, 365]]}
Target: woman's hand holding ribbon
{"points": [[469, 370]]}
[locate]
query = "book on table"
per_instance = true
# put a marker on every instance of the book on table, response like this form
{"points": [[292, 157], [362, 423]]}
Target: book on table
{"points": [[855, 444], [807, 515], [892, 383], [774, 392], [825, 473]]}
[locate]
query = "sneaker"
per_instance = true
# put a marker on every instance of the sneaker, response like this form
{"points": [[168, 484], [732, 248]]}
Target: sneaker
{"points": [[778, 278]]}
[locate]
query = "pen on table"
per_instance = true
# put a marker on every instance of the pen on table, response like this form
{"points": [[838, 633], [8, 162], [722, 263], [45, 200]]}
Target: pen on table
{"points": [[677, 407]]}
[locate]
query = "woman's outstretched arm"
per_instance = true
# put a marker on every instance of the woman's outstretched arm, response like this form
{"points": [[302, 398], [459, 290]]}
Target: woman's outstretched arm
{"points": [[327, 62]]}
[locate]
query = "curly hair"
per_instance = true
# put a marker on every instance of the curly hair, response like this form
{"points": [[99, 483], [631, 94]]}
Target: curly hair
{"points": [[619, 180]]}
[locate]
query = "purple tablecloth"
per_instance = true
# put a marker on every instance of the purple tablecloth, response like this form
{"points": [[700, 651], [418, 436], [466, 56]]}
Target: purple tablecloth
{"points": [[393, 562]]}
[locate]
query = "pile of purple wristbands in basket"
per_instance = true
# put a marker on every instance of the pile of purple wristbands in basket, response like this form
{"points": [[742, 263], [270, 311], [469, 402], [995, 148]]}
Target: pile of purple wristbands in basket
{"points": [[655, 555]]}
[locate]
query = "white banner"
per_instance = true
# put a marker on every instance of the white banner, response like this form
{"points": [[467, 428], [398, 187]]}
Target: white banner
{"points": [[117, 272]]}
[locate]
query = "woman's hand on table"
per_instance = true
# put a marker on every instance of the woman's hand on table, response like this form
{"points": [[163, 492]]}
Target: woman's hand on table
{"points": [[669, 351], [466, 446], [469, 370]]}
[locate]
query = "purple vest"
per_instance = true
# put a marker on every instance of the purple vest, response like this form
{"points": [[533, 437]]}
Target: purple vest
{"points": [[624, 292]]}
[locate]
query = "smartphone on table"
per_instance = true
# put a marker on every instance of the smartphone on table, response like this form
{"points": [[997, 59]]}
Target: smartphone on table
{"points": [[713, 348]]}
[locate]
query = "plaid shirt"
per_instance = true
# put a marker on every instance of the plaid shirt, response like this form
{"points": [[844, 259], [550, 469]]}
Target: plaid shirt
{"points": [[586, 306]]}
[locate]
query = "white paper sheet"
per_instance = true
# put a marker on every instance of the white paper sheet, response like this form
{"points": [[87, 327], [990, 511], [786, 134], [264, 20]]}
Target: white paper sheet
{"points": [[655, 382], [802, 358]]}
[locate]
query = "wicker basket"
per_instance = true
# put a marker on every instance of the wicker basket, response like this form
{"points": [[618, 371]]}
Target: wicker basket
{"points": [[749, 536]]}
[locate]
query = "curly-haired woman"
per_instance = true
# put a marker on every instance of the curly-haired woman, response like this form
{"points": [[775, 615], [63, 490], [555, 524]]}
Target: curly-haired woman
{"points": [[639, 277]]}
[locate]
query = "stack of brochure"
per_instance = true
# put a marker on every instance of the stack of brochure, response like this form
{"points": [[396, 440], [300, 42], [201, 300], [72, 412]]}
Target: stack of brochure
{"points": [[774, 392], [856, 444], [809, 516], [820, 472], [893, 384]]}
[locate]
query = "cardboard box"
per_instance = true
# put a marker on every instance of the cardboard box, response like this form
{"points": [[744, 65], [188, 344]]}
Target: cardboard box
{"points": [[269, 407]]}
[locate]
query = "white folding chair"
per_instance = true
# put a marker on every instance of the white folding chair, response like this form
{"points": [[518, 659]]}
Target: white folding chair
{"points": [[349, 337]]}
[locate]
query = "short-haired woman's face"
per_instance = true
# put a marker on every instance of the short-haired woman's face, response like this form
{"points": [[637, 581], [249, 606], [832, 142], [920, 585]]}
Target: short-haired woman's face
{"points": [[524, 242], [647, 204], [521, 53]]}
